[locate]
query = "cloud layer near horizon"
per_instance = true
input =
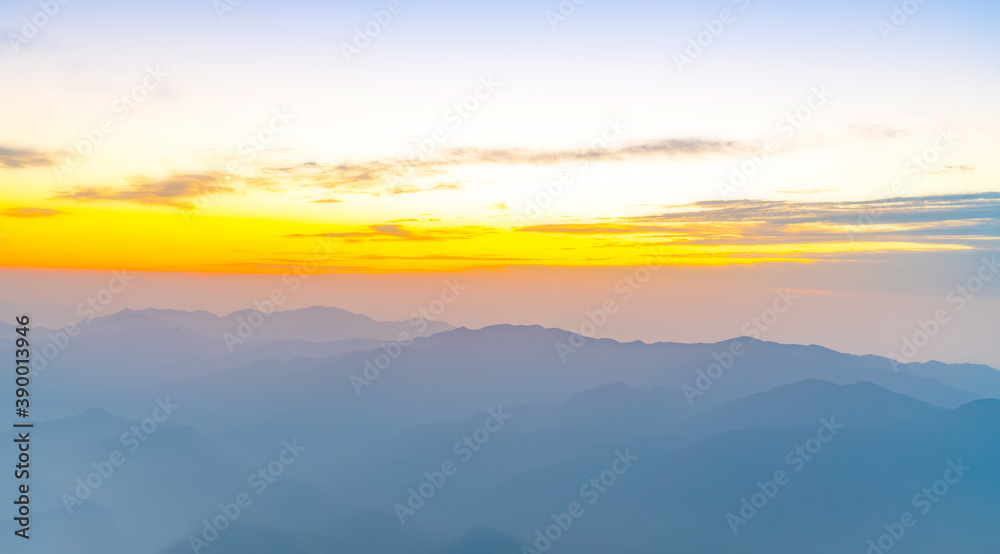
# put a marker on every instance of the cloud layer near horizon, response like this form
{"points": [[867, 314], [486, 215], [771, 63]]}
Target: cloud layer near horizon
{"points": [[971, 220], [378, 176], [739, 229]]}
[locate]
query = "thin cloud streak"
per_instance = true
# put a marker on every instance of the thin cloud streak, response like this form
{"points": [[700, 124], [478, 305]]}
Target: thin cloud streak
{"points": [[19, 158], [176, 191]]}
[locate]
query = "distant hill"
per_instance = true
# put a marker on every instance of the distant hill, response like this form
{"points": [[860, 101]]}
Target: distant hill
{"points": [[152, 346]]}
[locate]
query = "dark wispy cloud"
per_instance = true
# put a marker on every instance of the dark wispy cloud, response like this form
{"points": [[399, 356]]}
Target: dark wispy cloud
{"points": [[665, 148], [395, 175], [345, 177], [393, 230], [405, 175], [927, 209], [967, 220], [178, 191], [32, 212], [17, 158], [385, 176]]}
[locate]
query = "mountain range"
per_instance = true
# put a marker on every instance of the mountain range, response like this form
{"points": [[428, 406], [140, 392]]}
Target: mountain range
{"points": [[488, 441]]}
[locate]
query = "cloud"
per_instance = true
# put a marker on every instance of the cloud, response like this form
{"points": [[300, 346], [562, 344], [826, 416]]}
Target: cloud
{"points": [[18, 158], [665, 148], [346, 177], [878, 131], [960, 220], [398, 232], [891, 210], [764, 230], [32, 212], [177, 191], [411, 189], [327, 201], [393, 175], [448, 257], [597, 229], [950, 169], [372, 232], [394, 230]]}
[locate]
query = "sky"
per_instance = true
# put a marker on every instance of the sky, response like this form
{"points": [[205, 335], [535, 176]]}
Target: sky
{"points": [[203, 138]]}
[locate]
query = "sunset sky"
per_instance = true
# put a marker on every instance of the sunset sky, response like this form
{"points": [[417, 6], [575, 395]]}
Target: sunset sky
{"points": [[595, 98], [539, 154]]}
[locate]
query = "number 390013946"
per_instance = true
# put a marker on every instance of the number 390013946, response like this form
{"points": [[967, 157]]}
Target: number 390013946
{"points": [[22, 359]]}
